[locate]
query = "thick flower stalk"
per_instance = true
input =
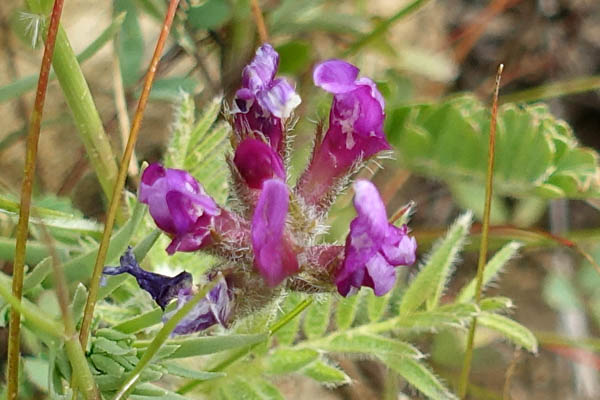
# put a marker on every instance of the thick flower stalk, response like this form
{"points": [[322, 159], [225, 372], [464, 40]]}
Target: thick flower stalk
{"points": [[268, 233]]}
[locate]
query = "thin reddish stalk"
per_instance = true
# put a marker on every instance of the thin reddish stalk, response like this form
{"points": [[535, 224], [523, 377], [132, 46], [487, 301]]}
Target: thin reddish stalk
{"points": [[464, 377], [115, 200], [33, 136], [263, 34]]}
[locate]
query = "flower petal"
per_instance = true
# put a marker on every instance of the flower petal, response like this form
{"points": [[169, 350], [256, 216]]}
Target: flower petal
{"points": [[335, 76], [399, 248], [381, 276], [257, 162], [273, 254], [261, 71], [161, 288], [280, 98]]}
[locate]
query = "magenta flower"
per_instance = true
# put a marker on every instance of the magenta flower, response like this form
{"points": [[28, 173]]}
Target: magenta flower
{"points": [[263, 103], [374, 247], [274, 256], [355, 128], [257, 162], [179, 206]]}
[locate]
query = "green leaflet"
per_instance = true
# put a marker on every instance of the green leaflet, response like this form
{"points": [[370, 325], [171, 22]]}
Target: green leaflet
{"points": [[510, 329], [285, 360], [316, 318], [431, 280], [326, 373], [346, 308], [202, 345], [491, 270], [369, 344], [420, 376], [536, 154]]}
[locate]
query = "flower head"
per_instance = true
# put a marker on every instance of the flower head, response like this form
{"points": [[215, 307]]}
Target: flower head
{"points": [[162, 288], [263, 102], [374, 247], [355, 127], [273, 252], [179, 206], [257, 162]]}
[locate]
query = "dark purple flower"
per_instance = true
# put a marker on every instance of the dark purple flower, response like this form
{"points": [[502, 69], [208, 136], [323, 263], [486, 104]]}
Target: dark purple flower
{"points": [[162, 288], [263, 102], [214, 308], [374, 246], [355, 127], [257, 162], [179, 206], [273, 251]]}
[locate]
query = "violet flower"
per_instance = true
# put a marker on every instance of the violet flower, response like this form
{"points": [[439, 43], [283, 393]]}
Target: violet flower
{"points": [[263, 103], [214, 308], [355, 128], [162, 288], [179, 206], [257, 162], [274, 256], [374, 247]]}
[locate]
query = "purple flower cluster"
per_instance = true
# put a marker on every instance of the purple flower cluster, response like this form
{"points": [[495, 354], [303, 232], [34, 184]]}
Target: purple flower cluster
{"points": [[271, 229]]}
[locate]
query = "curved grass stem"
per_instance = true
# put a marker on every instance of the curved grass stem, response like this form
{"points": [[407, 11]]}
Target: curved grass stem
{"points": [[25, 204], [464, 376], [124, 166]]}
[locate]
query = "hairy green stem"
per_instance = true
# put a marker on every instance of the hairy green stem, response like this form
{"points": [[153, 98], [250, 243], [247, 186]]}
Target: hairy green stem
{"points": [[122, 174], [33, 135], [160, 339], [384, 26], [464, 376], [80, 368]]}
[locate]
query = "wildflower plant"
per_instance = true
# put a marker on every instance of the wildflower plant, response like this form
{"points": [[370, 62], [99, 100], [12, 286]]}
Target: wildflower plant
{"points": [[270, 259]]}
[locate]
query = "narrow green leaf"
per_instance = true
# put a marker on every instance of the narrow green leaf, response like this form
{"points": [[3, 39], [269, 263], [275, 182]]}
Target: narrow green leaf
{"points": [[431, 280], [107, 365], [285, 360], [346, 308], [494, 304], [106, 346], [492, 269], [38, 274], [23, 85], [370, 344], [455, 316], [211, 14], [80, 268], [420, 376], [78, 303], [510, 329], [377, 305], [112, 334], [183, 372], [130, 42], [326, 374], [238, 389], [316, 318], [266, 390], [288, 333], [202, 345]]}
